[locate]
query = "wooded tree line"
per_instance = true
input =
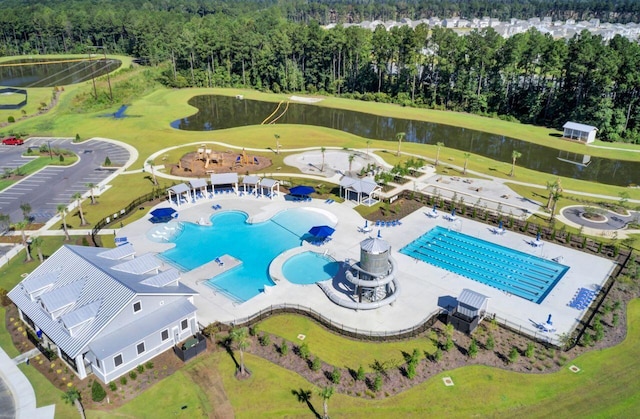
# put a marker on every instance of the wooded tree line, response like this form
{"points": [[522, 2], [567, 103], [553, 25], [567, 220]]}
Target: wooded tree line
{"points": [[529, 77]]}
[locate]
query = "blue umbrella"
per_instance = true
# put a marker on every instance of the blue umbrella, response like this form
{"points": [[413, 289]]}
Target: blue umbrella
{"points": [[321, 231], [549, 320], [301, 190], [500, 225], [163, 212]]}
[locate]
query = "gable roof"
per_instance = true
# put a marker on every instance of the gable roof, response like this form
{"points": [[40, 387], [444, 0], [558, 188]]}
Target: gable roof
{"points": [[579, 127], [105, 292], [224, 178], [251, 180], [472, 299], [268, 183], [119, 252], [179, 188], [365, 185], [198, 183]]}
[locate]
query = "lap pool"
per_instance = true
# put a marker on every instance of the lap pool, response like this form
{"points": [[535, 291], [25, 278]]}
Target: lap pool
{"points": [[527, 276], [254, 245]]}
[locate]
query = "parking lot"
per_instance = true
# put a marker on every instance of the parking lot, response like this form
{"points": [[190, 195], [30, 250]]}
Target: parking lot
{"points": [[55, 185]]}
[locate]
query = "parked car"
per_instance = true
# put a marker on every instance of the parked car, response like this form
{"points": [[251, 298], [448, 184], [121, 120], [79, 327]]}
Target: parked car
{"points": [[12, 141]]}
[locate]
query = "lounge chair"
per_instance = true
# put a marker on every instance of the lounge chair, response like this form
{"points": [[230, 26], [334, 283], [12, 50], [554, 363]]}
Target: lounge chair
{"points": [[218, 261]]}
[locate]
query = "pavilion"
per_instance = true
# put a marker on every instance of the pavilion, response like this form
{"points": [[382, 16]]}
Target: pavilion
{"points": [[225, 181], [251, 183], [181, 192], [362, 191], [198, 188], [267, 187], [580, 132]]}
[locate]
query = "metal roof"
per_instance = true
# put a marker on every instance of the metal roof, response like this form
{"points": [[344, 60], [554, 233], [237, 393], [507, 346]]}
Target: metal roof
{"points": [[37, 283], [119, 252], [251, 180], [163, 278], [81, 315], [579, 127], [179, 188], [268, 183], [374, 245], [140, 265], [168, 315], [364, 185], [472, 299], [224, 178], [112, 288], [198, 183], [63, 296]]}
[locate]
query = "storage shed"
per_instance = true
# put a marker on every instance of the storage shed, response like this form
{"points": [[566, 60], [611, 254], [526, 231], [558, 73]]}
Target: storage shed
{"points": [[580, 132]]}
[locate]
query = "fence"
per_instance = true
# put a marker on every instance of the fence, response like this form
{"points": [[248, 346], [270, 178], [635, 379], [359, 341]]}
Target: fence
{"points": [[109, 220], [338, 327]]}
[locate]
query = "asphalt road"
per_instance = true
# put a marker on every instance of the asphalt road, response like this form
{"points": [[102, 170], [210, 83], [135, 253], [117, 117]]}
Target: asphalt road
{"points": [[55, 185], [7, 406]]}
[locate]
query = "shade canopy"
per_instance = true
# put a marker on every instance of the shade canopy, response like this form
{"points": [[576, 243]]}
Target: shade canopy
{"points": [[301, 190], [163, 212], [321, 231]]}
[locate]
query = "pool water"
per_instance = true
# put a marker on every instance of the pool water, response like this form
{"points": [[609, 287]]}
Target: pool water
{"points": [[309, 267], [255, 245], [512, 271]]}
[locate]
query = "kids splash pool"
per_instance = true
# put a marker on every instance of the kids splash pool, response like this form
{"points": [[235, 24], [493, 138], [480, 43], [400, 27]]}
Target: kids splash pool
{"points": [[512, 271], [309, 267], [253, 245]]}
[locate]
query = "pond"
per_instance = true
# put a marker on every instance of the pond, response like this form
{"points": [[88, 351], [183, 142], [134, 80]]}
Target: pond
{"points": [[220, 112], [53, 72]]}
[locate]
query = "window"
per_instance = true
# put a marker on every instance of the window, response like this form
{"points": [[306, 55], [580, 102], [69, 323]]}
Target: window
{"points": [[184, 324], [140, 348], [117, 360], [97, 363], [137, 306], [165, 335]]}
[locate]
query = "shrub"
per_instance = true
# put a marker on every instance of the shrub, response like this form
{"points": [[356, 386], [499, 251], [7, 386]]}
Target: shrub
{"points": [[140, 368], [133, 375], [473, 348], [377, 382], [336, 375], [11, 119], [149, 365], [437, 355], [29, 150], [304, 351], [107, 161], [529, 351], [77, 138], [265, 340], [284, 348], [513, 355], [97, 392], [491, 343], [113, 386], [123, 380], [448, 345], [316, 364], [253, 330], [4, 299], [360, 374], [411, 370], [61, 157]]}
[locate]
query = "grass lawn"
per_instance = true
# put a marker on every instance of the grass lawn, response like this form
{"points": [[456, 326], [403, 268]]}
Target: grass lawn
{"points": [[47, 393], [338, 350], [606, 386]]}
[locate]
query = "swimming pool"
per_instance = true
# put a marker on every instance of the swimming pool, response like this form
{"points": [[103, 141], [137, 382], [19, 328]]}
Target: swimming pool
{"points": [[255, 245], [309, 267], [512, 271]]}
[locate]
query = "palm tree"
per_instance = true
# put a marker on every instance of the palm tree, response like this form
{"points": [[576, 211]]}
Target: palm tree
{"points": [[26, 210], [153, 172], [439, 144], [400, 136], [368, 144], [514, 156], [555, 192], [21, 226], [277, 143], [72, 396], [322, 150], [78, 198], [326, 393], [37, 244], [91, 187], [466, 161], [240, 335], [62, 210], [351, 158]]}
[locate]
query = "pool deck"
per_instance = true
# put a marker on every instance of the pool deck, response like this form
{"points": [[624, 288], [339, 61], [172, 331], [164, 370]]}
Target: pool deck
{"points": [[423, 287]]}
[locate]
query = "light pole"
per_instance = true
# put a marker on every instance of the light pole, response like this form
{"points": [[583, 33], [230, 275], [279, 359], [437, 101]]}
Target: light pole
{"points": [[50, 154]]}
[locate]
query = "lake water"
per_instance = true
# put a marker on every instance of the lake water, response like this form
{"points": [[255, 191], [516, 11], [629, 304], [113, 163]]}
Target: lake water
{"points": [[220, 112], [53, 72]]}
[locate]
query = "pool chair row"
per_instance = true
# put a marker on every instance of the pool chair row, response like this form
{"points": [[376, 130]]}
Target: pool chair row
{"points": [[302, 199], [582, 299], [321, 242], [216, 207], [329, 201], [394, 223]]}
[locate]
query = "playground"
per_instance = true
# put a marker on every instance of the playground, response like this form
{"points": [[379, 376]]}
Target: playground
{"points": [[205, 161]]}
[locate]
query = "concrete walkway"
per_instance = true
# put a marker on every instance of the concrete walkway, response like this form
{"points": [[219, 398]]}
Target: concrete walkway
{"points": [[24, 397]]}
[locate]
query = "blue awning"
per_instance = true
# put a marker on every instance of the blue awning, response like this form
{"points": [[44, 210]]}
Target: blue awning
{"points": [[321, 231], [163, 212], [301, 190]]}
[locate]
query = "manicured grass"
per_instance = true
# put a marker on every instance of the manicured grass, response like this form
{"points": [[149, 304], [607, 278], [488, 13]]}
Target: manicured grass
{"points": [[5, 338], [165, 399], [47, 393], [338, 350]]}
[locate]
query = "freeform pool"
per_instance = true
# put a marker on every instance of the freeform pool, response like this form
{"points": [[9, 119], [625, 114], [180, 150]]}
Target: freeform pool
{"points": [[255, 245], [512, 271], [309, 267]]}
